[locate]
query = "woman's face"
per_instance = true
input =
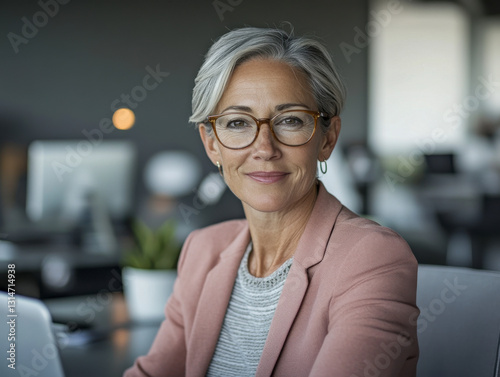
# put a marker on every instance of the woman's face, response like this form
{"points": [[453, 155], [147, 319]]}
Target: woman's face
{"points": [[269, 176]]}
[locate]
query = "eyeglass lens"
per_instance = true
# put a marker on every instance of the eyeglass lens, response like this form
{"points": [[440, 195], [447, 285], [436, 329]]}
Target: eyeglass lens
{"points": [[238, 130]]}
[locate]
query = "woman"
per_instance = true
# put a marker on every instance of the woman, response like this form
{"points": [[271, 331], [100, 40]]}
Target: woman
{"points": [[302, 286]]}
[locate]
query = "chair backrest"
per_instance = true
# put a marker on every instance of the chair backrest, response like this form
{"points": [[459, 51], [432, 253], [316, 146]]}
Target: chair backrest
{"points": [[459, 324]]}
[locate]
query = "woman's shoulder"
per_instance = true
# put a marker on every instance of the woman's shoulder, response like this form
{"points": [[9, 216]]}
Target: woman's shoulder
{"points": [[361, 252], [365, 237], [350, 227]]}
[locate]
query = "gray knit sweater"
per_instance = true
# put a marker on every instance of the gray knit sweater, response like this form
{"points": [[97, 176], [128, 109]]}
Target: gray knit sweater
{"points": [[247, 321]]}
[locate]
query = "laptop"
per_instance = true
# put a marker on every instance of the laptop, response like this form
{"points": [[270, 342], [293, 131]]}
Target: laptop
{"points": [[27, 338]]}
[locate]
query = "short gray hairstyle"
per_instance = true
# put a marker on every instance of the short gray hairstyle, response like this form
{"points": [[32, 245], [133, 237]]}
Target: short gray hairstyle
{"points": [[240, 45]]}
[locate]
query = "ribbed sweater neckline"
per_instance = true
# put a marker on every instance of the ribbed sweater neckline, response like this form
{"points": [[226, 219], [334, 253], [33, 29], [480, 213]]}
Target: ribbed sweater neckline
{"points": [[262, 283]]}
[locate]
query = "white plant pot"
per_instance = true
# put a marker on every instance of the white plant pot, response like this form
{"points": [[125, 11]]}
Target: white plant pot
{"points": [[146, 292]]}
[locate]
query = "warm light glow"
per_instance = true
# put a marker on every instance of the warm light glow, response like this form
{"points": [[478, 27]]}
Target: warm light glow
{"points": [[123, 119]]}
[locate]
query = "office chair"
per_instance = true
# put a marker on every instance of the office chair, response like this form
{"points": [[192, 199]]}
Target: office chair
{"points": [[459, 324]]}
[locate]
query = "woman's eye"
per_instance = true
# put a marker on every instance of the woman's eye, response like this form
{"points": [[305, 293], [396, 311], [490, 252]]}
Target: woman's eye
{"points": [[237, 123], [290, 121]]}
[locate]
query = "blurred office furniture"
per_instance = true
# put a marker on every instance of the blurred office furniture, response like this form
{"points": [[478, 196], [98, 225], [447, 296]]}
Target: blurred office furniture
{"points": [[443, 163], [339, 181], [31, 335], [12, 179], [466, 209], [170, 177], [81, 184], [96, 337], [459, 323], [172, 173], [78, 206], [12, 184], [177, 190], [364, 169], [110, 356]]}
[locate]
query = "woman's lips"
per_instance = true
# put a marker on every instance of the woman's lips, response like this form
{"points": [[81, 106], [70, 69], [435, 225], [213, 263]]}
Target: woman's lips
{"points": [[267, 177]]}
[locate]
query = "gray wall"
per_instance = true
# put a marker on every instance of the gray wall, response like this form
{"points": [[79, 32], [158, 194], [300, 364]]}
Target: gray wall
{"points": [[65, 78]]}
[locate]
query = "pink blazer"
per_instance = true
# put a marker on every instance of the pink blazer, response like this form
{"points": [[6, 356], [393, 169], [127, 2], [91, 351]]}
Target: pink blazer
{"points": [[347, 308]]}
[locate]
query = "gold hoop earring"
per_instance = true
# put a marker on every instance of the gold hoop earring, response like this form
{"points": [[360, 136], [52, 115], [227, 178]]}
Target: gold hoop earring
{"points": [[323, 166], [219, 166]]}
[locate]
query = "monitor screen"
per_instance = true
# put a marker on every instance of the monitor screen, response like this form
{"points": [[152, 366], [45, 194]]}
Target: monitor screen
{"points": [[63, 175], [440, 163]]}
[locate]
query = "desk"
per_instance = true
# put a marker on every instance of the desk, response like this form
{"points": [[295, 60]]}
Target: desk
{"points": [[113, 353], [468, 214], [109, 357]]}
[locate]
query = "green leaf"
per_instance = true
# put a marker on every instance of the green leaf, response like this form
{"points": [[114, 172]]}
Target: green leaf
{"points": [[154, 249]]}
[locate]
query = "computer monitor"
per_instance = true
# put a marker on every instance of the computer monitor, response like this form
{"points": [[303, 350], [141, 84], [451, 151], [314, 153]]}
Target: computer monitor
{"points": [[65, 177], [443, 163]]}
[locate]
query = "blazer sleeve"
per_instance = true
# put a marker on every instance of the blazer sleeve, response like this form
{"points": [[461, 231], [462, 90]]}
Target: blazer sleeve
{"points": [[372, 317], [168, 352]]}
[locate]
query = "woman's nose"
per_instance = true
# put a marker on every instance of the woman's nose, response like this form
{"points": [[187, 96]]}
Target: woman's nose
{"points": [[266, 145]]}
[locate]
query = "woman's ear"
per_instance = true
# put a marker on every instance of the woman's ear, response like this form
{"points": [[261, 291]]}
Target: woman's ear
{"points": [[330, 139], [210, 144]]}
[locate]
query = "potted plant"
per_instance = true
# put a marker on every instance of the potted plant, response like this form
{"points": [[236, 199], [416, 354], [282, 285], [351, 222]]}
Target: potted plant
{"points": [[149, 270]]}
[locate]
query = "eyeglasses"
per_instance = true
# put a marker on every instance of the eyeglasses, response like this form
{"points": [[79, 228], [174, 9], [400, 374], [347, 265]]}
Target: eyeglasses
{"points": [[239, 130]]}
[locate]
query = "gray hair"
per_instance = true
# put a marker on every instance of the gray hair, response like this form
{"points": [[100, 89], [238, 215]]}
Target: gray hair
{"points": [[240, 45]]}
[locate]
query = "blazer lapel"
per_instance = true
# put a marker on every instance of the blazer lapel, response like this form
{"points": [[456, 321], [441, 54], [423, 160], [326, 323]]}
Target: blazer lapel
{"points": [[212, 306], [310, 251]]}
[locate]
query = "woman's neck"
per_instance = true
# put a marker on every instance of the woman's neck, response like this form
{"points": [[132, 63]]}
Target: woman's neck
{"points": [[275, 235]]}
